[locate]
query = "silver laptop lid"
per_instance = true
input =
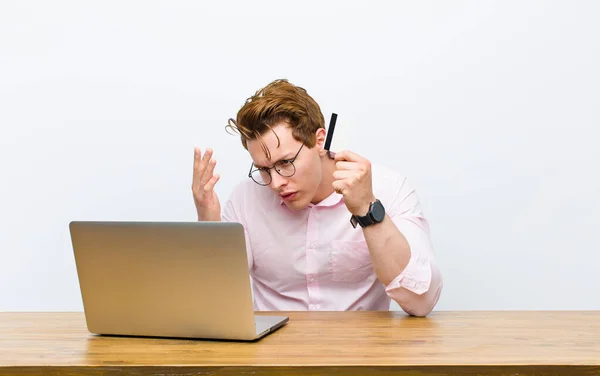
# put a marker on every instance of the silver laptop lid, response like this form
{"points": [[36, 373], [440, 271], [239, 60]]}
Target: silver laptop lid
{"points": [[173, 279]]}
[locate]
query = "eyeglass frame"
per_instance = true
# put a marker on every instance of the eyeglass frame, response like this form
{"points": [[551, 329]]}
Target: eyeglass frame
{"points": [[268, 169]]}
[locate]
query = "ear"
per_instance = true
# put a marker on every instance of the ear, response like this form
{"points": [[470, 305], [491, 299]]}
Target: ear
{"points": [[321, 135]]}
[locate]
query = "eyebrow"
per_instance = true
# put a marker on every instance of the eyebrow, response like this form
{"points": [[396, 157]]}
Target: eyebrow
{"points": [[277, 161]]}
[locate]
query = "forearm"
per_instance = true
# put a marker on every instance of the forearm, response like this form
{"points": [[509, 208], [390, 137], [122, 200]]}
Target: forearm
{"points": [[390, 252], [411, 277], [419, 304]]}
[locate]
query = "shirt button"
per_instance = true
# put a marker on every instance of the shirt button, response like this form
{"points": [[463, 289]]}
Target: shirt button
{"points": [[312, 245], [311, 278], [313, 307]]}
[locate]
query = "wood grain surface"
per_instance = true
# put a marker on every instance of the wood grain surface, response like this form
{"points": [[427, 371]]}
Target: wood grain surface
{"points": [[312, 343]]}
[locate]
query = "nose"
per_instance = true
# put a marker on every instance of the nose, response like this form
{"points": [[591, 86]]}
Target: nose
{"points": [[277, 181]]}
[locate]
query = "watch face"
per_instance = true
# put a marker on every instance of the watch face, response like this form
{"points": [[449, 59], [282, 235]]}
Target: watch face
{"points": [[378, 212]]}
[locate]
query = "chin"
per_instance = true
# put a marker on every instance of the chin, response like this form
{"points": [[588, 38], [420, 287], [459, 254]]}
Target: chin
{"points": [[297, 204]]}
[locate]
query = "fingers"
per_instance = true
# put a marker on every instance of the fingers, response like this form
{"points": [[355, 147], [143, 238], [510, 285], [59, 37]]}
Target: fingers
{"points": [[345, 174], [208, 174], [195, 176], [347, 155], [204, 167], [340, 186], [203, 164], [343, 165], [211, 183]]}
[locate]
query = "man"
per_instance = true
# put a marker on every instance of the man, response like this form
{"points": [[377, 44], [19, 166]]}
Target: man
{"points": [[324, 231]]}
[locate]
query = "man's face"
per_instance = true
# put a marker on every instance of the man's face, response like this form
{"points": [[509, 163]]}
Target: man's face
{"points": [[298, 190]]}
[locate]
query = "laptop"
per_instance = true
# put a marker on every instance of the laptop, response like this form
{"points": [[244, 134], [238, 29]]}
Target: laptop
{"points": [[167, 279]]}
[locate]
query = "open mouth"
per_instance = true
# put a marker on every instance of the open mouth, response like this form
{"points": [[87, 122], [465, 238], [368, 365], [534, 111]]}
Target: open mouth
{"points": [[289, 196]]}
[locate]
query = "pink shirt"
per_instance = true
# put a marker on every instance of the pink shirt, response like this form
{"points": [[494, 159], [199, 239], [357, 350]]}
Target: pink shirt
{"points": [[313, 259]]}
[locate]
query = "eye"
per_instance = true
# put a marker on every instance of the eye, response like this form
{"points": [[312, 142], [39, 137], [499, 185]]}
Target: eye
{"points": [[284, 162]]}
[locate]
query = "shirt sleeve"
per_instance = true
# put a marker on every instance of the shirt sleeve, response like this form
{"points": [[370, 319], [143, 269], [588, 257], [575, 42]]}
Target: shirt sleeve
{"points": [[418, 287], [231, 213]]}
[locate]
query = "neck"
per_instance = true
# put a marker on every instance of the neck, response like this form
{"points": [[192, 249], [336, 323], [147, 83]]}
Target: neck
{"points": [[325, 188]]}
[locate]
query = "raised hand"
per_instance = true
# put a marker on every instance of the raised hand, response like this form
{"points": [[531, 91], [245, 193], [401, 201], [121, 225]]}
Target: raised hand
{"points": [[203, 183]]}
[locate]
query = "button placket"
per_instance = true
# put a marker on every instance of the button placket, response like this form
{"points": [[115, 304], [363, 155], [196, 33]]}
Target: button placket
{"points": [[312, 266]]}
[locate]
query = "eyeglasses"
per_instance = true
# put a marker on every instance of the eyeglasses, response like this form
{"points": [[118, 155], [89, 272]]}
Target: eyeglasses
{"points": [[285, 168]]}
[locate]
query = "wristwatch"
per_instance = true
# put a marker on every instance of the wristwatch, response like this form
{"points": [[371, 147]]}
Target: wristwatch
{"points": [[375, 215]]}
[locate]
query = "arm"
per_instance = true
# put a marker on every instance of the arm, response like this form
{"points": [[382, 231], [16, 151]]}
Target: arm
{"points": [[402, 255], [399, 246], [389, 250]]}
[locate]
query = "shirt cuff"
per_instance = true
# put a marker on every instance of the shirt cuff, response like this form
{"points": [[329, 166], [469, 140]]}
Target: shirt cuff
{"points": [[416, 276]]}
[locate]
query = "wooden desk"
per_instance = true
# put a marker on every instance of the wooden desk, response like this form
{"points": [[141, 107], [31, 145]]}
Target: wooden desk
{"points": [[332, 343]]}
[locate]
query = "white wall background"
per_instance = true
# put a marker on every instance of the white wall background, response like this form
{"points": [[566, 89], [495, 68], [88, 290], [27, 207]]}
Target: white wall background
{"points": [[491, 108]]}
